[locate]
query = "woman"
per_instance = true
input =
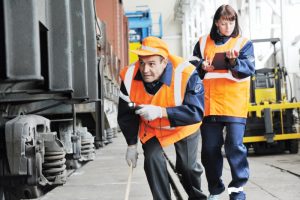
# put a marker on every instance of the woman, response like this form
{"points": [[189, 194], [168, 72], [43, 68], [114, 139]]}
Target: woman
{"points": [[226, 84]]}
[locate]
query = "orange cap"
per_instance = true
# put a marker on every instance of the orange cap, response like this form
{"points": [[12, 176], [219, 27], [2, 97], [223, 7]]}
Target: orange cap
{"points": [[152, 46]]}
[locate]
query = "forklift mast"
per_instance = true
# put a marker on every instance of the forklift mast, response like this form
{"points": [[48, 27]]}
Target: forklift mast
{"points": [[271, 123]]}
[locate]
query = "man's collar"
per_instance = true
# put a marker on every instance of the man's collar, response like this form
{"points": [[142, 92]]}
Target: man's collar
{"points": [[165, 78]]}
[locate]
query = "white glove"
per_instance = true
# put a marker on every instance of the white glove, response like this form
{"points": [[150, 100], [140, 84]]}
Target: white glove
{"points": [[149, 112], [132, 155]]}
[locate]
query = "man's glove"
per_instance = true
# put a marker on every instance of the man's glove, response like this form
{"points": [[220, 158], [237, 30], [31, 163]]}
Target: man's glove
{"points": [[149, 112], [132, 155]]}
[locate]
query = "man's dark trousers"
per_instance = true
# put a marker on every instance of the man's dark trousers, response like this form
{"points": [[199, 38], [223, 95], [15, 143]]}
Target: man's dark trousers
{"points": [[186, 165]]}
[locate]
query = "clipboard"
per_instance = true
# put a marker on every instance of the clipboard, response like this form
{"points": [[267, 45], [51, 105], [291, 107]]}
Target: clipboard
{"points": [[220, 61]]}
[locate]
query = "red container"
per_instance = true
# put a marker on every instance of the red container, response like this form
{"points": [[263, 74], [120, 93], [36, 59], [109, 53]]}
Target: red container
{"points": [[111, 12]]}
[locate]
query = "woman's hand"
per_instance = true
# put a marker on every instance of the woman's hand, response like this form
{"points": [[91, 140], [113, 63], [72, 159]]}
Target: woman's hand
{"points": [[206, 66], [232, 55]]}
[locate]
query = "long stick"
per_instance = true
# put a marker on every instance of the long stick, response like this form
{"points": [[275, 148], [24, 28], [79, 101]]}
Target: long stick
{"points": [[128, 182]]}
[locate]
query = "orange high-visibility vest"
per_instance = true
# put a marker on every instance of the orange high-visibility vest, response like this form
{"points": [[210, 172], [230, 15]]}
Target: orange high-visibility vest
{"points": [[225, 95], [167, 96]]}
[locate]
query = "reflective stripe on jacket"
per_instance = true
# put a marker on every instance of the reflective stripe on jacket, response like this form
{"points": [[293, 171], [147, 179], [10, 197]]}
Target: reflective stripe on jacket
{"points": [[167, 96], [225, 95]]}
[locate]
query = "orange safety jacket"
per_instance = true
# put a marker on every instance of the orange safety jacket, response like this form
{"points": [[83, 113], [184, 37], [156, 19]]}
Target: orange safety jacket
{"points": [[225, 95], [167, 96]]}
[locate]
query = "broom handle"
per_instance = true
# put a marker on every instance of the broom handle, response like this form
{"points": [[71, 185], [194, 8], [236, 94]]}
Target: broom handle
{"points": [[128, 182]]}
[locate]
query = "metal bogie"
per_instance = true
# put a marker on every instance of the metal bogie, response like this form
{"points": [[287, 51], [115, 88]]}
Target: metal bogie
{"points": [[54, 168], [81, 141], [66, 134], [30, 144], [87, 144], [109, 134]]}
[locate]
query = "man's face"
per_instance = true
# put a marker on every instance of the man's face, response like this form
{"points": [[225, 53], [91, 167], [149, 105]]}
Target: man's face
{"points": [[152, 67]]}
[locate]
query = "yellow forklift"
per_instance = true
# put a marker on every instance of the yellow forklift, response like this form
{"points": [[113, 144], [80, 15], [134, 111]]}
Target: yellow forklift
{"points": [[273, 120]]}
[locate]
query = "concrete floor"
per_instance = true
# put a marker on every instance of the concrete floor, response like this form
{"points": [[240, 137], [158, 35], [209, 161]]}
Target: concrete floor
{"points": [[274, 177]]}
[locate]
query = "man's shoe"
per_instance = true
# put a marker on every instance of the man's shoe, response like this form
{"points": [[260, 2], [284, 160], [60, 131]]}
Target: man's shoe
{"points": [[213, 197]]}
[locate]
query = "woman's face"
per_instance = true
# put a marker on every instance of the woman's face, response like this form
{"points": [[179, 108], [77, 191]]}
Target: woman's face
{"points": [[225, 27]]}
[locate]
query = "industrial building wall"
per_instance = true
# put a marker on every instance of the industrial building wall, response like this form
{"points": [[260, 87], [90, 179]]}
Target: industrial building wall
{"points": [[171, 28]]}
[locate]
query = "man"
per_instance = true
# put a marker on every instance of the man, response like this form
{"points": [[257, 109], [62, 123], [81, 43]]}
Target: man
{"points": [[169, 95]]}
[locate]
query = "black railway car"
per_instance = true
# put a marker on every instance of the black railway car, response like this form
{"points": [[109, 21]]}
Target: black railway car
{"points": [[58, 92]]}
